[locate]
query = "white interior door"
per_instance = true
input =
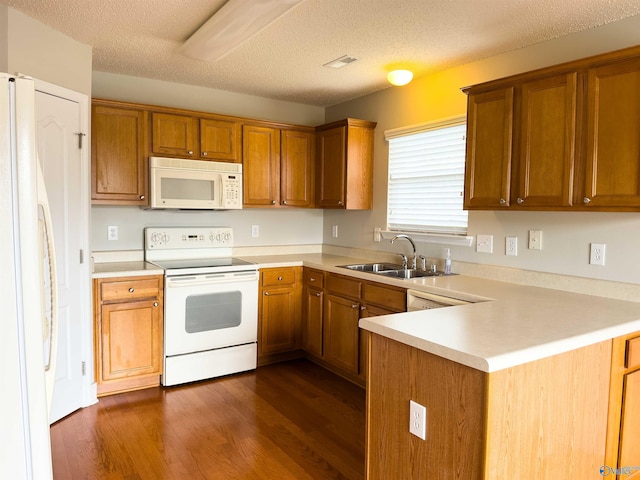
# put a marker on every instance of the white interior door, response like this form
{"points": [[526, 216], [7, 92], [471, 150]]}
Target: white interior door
{"points": [[58, 124]]}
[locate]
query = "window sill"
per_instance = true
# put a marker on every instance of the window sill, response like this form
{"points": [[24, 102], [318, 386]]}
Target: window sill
{"points": [[442, 239]]}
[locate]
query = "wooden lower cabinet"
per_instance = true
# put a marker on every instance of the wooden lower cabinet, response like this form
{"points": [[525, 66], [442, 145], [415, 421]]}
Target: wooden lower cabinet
{"points": [[279, 325], [341, 333], [313, 311], [542, 419], [623, 446], [128, 333]]}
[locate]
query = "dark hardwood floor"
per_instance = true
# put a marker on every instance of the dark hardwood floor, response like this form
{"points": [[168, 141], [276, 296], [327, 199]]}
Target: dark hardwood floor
{"points": [[291, 420]]}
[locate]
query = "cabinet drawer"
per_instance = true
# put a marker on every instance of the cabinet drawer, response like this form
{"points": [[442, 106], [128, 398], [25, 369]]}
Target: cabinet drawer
{"points": [[272, 277], [387, 297], [313, 278], [633, 353], [127, 289], [344, 286]]}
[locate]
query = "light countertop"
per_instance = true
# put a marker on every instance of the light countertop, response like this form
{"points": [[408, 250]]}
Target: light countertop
{"points": [[509, 325], [125, 269]]}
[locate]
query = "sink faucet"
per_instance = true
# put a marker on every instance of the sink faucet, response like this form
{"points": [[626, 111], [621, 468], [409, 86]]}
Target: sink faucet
{"points": [[414, 261]]}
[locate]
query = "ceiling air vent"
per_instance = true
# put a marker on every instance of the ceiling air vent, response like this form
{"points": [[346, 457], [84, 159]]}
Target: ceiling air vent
{"points": [[340, 62]]}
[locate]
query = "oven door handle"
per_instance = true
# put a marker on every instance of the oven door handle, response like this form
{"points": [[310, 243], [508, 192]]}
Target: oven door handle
{"points": [[210, 279]]}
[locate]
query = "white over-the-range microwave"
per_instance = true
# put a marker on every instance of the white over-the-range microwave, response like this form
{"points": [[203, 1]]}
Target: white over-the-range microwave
{"points": [[194, 184]]}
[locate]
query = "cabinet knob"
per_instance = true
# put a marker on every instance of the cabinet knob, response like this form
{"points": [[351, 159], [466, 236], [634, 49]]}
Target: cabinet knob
{"points": [[339, 202], [266, 293], [363, 307], [520, 201], [312, 279], [204, 154], [279, 279], [355, 305], [586, 200], [155, 304], [141, 197], [284, 202], [319, 294], [190, 152], [131, 290], [503, 201], [273, 202]]}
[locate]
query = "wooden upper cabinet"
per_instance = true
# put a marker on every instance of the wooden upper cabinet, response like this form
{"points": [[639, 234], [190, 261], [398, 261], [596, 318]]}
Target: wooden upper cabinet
{"points": [[261, 166], [345, 164], [297, 168], [613, 135], [220, 140], [546, 159], [118, 154], [278, 168], [565, 137], [489, 149], [186, 136]]}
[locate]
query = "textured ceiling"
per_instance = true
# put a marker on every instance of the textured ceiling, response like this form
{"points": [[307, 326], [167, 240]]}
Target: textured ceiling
{"points": [[284, 61]]}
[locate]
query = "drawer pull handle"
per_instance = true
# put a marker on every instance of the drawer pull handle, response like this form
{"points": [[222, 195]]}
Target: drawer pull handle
{"points": [[318, 294], [279, 279], [131, 290], [266, 293], [155, 304], [312, 279]]}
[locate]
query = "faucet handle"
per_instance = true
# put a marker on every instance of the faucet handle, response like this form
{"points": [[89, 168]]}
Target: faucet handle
{"points": [[423, 259], [404, 260]]}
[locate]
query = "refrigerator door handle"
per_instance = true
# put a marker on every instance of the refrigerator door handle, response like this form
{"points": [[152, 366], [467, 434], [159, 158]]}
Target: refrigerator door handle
{"points": [[49, 297]]}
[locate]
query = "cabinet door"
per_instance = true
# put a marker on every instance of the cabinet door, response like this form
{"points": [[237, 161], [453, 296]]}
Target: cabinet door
{"points": [[278, 321], [629, 449], [312, 320], [613, 136], [220, 140], [296, 169], [341, 333], [547, 142], [118, 156], [331, 151], [131, 339], [261, 166], [367, 311], [174, 135], [489, 149]]}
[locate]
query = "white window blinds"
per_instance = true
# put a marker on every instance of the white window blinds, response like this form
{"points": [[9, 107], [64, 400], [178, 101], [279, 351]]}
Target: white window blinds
{"points": [[426, 178]]}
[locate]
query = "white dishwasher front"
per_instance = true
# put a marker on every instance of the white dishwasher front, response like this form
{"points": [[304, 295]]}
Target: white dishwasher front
{"points": [[417, 300]]}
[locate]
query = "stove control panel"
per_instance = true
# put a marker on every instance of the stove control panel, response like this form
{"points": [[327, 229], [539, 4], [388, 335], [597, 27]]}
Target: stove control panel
{"points": [[166, 238]]}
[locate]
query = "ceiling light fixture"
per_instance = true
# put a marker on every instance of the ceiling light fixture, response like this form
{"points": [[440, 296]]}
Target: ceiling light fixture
{"points": [[235, 23], [343, 61], [399, 77]]}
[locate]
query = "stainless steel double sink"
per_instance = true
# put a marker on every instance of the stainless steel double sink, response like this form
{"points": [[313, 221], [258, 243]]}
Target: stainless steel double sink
{"points": [[391, 270]]}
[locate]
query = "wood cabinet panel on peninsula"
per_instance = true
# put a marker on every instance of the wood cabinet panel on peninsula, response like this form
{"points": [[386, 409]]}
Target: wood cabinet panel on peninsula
{"points": [[128, 332], [542, 419], [345, 164], [119, 153], [565, 137]]}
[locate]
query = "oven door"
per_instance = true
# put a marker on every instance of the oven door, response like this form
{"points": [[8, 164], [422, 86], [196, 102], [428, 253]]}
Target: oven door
{"points": [[210, 311]]}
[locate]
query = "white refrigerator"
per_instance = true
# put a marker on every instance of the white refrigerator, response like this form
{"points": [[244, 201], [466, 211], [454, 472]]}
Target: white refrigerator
{"points": [[27, 291]]}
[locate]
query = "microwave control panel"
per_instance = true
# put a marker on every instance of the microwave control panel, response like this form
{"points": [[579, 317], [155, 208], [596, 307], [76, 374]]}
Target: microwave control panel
{"points": [[232, 192]]}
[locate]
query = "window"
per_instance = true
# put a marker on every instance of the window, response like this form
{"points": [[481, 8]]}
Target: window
{"points": [[426, 178]]}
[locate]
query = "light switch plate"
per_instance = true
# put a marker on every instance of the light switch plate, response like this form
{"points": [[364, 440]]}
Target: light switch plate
{"points": [[484, 243], [535, 239]]}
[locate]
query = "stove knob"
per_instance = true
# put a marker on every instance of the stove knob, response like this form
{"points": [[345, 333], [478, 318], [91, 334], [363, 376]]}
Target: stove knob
{"points": [[227, 237], [155, 238], [212, 237], [219, 237], [166, 238]]}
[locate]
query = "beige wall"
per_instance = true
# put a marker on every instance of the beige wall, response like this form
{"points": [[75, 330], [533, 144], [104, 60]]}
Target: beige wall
{"points": [[34, 49], [566, 236]]}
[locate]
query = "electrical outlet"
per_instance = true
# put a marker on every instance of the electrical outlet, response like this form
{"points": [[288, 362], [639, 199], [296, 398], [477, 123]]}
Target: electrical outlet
{"points": [[535, 239], [112, 232], [484, 243], [511, 246], [596, 256], [334, 231], [255, 231], [417, 420]]}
